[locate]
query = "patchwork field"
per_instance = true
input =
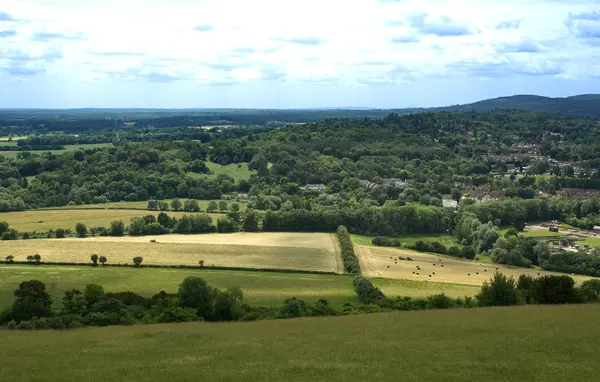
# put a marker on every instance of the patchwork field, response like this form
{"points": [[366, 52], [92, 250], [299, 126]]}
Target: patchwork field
{"points": [[304, 251], [531, 343], [44, 220], [378, 262]]}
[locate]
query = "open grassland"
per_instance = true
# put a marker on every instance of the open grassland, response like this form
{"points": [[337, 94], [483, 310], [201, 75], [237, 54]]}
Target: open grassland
{"points": [[260, 288], [239, 171], [68, 148], [142, 205], [532, 343], [44, 220], [303, 251], [379, 262], [447, 240]]}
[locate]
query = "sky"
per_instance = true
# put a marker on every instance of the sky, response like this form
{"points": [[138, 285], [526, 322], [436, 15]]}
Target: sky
{"points": [[293, 53]]}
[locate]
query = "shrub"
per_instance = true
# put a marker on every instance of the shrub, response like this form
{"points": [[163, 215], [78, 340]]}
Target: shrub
{"points": [[385, 242], [454, 251], [348, 257], [467, 252], [138, 260], [499, 291], [94, 259], [293, 307], [555, 289], [367, 292], [25, 325], [117, 228], [60, 233], [12, 325], [591, 289], [81, 230], [439, 301]]}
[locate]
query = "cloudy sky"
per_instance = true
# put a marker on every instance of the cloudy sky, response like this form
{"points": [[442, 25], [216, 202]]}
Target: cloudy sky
{"points": [[293, 53]]}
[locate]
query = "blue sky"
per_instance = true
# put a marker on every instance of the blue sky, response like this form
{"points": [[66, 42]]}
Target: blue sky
{"points": [[293, 53]]}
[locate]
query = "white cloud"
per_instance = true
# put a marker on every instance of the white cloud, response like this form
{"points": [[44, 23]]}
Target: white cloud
{"points": [[309, 41]]}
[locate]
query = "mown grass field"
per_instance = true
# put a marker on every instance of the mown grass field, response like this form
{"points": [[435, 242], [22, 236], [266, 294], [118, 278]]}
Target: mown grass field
{"points": [[13, 154], [532, 343], [44, 220], [260, 288], [239, 171], [379, 262], [303, 251], [142, 205]]}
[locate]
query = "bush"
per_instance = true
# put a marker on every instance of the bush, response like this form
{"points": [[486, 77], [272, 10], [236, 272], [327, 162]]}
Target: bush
{"points": [[25, 325], [60, 233], [367, 292], [433, 246], [385, 242], [499, 291], [554, 289], [348, 257], [591, 289], [117, 228], [439, 301], [12, 325], [454, 251]]}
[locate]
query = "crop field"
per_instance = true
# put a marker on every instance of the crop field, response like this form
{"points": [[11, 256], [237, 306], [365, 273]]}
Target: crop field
{"points": [[531, 343], [303, 251], [13, 154], [44, 220], [379, 262], [239, 171], [143, 205]]}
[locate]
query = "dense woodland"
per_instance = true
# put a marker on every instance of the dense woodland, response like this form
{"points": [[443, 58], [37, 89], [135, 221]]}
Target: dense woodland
{"points": [[381, 177]]}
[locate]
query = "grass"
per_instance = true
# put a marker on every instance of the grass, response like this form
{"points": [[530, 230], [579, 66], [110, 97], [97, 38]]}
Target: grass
{"points": [[13, 154], [542, 234], [260, 288], [143, 205], [303, 251], [447, 240], [239, 171], [531, 343], [379, 262], [591, 241], [44, 220]]}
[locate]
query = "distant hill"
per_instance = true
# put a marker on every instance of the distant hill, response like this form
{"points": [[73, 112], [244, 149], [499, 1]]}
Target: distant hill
{"points": [[587, 105]]}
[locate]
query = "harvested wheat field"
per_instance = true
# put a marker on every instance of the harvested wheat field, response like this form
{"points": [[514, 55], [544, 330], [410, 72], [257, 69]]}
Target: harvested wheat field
{"points": [[44, 220], [304, 251], [374, 262]]}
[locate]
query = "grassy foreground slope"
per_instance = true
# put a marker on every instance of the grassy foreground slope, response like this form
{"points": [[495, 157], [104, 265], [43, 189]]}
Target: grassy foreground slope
{"points": [[541, 343]]}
